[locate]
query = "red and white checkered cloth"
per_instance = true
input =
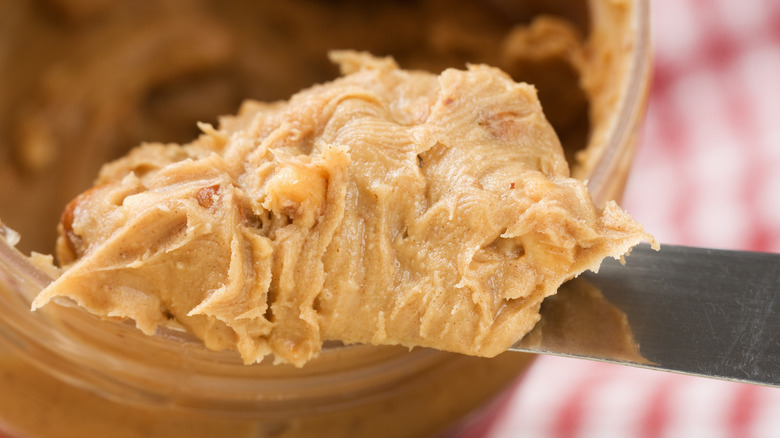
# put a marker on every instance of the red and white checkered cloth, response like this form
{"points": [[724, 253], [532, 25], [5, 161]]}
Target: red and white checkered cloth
{"points": [[707, 173]]}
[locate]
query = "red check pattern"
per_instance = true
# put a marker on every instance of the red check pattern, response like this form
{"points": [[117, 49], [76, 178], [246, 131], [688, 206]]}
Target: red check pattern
{"points": [[707, 173]]}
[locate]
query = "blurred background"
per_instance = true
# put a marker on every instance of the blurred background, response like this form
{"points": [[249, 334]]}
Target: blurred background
{"points": [[707, 173]]}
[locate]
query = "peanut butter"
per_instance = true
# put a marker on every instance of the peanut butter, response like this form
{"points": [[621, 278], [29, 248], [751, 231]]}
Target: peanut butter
{"points": [[385, 207]]}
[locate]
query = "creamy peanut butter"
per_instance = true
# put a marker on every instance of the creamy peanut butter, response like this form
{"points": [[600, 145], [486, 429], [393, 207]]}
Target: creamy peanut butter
{"points": [[384, 207]]}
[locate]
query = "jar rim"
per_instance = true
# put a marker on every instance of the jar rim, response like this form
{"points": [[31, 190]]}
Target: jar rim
{"points": [[629, 108]]}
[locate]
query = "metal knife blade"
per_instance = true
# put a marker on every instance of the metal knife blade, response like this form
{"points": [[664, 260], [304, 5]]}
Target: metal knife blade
{"points": [[698, 311]]}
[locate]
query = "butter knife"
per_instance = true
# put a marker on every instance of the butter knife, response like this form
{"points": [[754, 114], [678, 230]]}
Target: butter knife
{"points": [[698, 311]]}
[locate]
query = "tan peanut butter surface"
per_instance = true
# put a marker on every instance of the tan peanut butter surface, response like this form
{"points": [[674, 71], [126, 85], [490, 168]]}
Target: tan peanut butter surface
{"points": [[386, 207]]}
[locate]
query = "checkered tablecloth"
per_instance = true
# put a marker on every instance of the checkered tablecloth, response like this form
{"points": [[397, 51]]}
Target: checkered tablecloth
{"points": [[707, 173]]}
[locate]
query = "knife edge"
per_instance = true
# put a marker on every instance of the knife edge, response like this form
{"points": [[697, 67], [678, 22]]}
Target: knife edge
{"points": [[697, 311]]}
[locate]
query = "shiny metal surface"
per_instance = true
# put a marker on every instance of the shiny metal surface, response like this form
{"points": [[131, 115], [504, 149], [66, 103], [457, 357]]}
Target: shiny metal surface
{"points": [[698, 311]]}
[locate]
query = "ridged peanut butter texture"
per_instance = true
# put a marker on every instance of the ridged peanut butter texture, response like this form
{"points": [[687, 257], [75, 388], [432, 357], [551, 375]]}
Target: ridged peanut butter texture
{"points": [[384, 207]]}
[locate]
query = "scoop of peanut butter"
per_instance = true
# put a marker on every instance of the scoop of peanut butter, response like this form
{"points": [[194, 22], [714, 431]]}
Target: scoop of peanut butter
{"points": [[385, 207]]}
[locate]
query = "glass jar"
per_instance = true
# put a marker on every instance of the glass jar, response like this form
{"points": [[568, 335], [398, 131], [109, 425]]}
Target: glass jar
{"points": [[65, 373]]}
